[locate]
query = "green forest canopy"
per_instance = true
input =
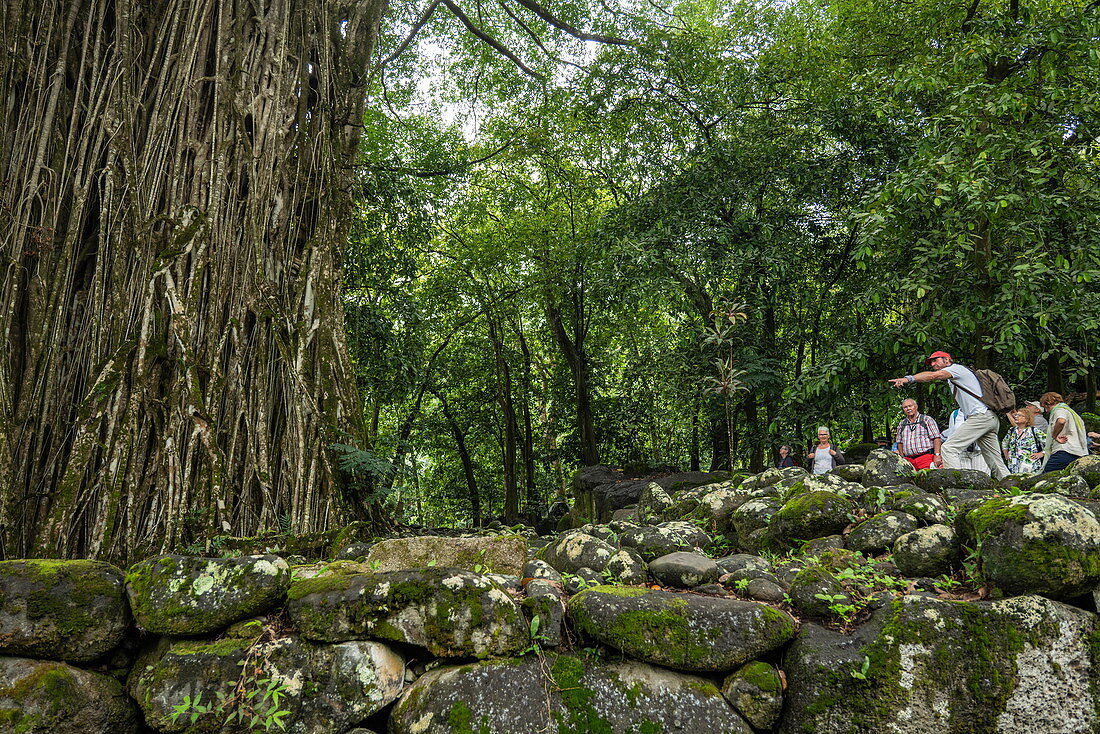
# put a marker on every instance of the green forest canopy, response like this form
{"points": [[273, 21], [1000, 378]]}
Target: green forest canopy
{"points": [[647, 235]]}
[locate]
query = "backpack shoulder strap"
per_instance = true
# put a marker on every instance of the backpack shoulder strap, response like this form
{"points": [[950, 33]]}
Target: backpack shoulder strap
{"points": [[961, 387]]}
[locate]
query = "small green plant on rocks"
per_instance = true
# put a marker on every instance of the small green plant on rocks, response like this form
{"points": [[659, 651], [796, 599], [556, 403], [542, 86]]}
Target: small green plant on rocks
{"points": [[256, 699]]}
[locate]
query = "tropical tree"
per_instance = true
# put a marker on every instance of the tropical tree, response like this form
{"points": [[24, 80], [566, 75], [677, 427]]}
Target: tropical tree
{"points": [[175, 192]]}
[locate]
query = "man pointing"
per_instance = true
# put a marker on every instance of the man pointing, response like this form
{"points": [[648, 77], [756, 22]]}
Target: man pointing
{"points": [[980, 423]]}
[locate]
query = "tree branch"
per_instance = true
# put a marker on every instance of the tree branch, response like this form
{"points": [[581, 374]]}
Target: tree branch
{"points": [[561, 25], [490, 41], [420, 23]]}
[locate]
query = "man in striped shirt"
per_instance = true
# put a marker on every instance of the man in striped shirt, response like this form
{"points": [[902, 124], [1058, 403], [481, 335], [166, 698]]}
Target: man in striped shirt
{"points": [[918, 437]]}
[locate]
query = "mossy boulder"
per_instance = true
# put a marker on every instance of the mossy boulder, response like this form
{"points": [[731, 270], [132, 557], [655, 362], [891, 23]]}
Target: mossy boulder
{"points": [[927, 552], [745, 562], [877, 534], [496, 554], [46, 697], [938, 480], [574, 549], [715, 509], [61, 610], [773, 476], [1069, 485], [684, 570], [326, 688], [814, 589], [884, 468], [682, 631], [183, 595], [1088, 468], [544, 604], [653, 502], [756, 514], [849, 472], [653, 541], [925, 665], [812, 515], [627, 567], [929, 508], [449, 612], [756, 691], [563, 694], [1037, 544], [830, 482]]}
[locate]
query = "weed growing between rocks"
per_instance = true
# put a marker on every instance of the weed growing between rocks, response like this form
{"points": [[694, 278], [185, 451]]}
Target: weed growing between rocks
{"points": [[257, 696]]}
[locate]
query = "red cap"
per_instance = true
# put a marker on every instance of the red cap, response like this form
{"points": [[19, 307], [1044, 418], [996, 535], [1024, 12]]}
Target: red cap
{"points": [[934, 355]]}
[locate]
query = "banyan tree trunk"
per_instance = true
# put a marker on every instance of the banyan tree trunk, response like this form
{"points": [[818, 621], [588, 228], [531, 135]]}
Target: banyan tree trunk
{"points": [[173, 190]]}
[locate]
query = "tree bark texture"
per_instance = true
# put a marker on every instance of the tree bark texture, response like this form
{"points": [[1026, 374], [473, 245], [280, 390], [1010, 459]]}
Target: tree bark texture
{"points": [[172, 203], [576, 356]]}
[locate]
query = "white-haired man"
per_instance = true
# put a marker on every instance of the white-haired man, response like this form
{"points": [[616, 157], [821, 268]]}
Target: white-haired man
{"points": [[980, 425], [918, 437]]}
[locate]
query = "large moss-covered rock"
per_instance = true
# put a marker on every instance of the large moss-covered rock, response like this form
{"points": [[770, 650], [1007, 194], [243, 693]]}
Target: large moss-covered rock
{"points": [[574, 549], [43, 697], [756, 691], [326, 688], [682, 631], [61, 610], [684, 570], [1070, 485], [939, 480], [812, 515], [814, 589], [1088, 468], [496, 554], [754, 515], [926, 507], [929, 666], [653, 502], [928, 552], [450, 612], [658, 540], [1037, 544], [715, 509], [562, 694], [183, 595], [877, 534], [884, 468]]}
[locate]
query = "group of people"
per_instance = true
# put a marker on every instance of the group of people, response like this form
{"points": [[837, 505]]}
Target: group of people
{"points": [[1027, 448], [1035, 443]]}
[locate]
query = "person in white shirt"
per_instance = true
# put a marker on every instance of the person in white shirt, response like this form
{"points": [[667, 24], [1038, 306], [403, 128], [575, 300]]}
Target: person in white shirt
{"points": [[972, 456], [825, 456], [980, 424], [1067, 440]]}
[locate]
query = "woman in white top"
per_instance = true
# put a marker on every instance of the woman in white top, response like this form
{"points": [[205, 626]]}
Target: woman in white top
{"points": [[825, 456]]}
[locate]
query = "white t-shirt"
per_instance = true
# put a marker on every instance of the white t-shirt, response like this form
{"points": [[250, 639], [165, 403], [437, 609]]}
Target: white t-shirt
{"points": [[1076, 444], [823, 460], [962, 376]]}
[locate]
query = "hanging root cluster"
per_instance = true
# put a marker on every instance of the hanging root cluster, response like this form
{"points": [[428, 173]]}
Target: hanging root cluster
{"points": [[172, 199]]}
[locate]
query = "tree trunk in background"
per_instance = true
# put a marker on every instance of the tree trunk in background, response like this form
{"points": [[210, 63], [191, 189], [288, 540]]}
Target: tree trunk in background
{"points": [[719, 443], [533, 502], [1090, 390], [508, 418], [755, 432], [173, 201], [1055, 381], [465, 458], [693, 448], [572, 348], [981, 256]]}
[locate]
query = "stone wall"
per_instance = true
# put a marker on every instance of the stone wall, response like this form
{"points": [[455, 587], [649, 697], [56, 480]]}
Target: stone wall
{"points": [[868, 599]]}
